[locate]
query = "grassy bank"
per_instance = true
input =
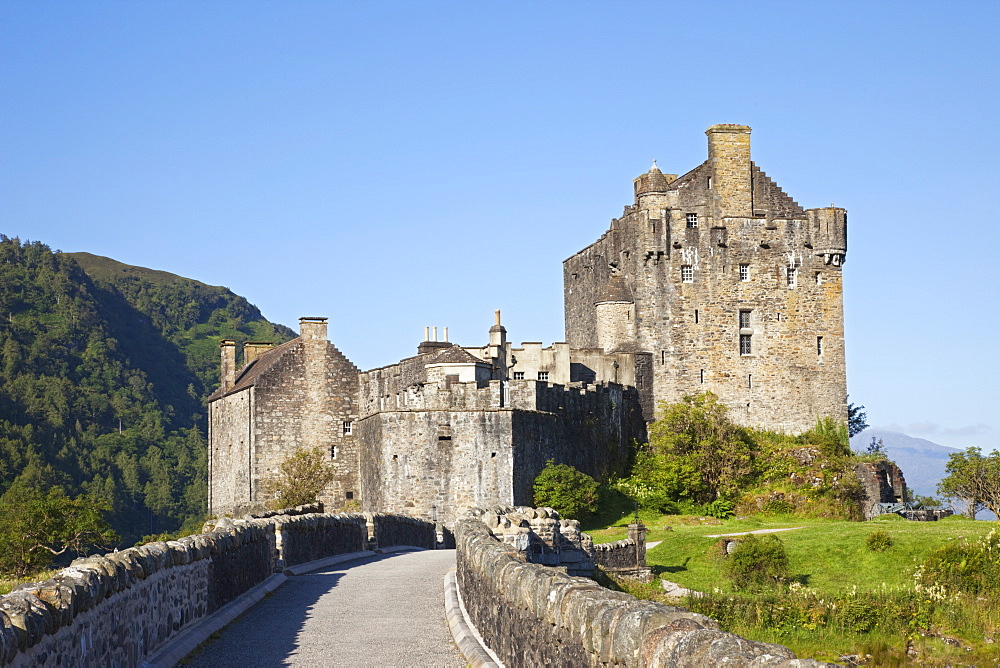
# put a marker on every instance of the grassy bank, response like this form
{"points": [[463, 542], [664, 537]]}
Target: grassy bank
{"points": [[844, 600]]}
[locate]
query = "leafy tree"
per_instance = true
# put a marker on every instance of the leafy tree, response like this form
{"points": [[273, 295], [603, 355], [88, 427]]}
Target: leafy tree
{"points": [[857, 419], [568, 491], [704, 455], [38, 526], [973, 481], [301, 477]]}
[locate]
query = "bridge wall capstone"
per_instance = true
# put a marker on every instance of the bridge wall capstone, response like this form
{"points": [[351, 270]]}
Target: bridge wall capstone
{"points": [[117, 609], [532, 615]]}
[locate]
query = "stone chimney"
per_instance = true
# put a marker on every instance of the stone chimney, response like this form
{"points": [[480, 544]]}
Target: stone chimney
{"points": [[312, 329], [729, 157], [228, 349], [253, 349], [498, 335], [430, 342]]}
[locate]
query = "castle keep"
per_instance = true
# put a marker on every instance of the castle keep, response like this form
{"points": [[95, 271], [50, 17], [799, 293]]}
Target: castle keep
{"points": [[716, 280]]}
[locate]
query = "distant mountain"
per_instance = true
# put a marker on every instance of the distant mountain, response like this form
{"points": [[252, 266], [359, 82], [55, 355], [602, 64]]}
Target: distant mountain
{"points": [[922, 461], [104, 370]]}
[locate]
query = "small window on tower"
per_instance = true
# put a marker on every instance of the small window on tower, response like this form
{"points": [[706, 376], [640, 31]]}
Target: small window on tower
{"points": [[349, 495], [543, 375], [702, 375], [744, 272], [819, 345], [333, 452], [518, 375], [687, 273], [692, 220], [744, 319], [696, 316], [745, 346], [348, 428], [790, 276]]}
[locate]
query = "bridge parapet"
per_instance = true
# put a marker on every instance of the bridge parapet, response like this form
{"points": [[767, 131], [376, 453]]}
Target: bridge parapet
{"points": [[533, 615], [119, 608]]}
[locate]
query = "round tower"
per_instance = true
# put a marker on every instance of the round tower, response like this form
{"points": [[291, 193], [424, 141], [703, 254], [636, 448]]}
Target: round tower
{"points": [[653, 182], [615, 316]]}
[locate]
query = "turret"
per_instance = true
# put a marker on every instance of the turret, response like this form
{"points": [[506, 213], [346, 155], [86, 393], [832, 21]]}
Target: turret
{"points": [[653, 182], [729, 158], [829, 228], [615, 316]]}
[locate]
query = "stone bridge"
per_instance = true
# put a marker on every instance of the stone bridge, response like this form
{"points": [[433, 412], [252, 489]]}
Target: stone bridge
{"points": [[361, 590]]}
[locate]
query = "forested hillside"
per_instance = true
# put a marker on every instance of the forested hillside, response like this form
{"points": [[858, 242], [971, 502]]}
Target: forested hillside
{"points": [[104, 369]]}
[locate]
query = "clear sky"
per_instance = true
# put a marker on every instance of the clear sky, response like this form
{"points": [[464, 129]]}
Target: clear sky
{"points": [[392, 165]]}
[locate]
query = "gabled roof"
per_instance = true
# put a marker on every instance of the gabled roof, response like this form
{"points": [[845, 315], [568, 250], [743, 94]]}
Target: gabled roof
{"points": [[768, 195], [454, 355], [249, 374]]}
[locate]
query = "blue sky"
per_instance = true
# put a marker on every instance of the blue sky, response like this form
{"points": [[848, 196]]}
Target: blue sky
{"points": [[393, 165]]}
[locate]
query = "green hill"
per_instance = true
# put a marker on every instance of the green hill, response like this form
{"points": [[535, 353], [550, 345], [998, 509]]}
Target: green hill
{"points": [[104, 369]]}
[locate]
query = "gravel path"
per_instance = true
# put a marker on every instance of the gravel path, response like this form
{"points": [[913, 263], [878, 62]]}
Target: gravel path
{"points": [[386, 610]]}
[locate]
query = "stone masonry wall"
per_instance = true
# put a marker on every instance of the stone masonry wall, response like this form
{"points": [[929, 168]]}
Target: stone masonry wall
{"points": [[690, 322], [532, 615], [116, 609]]}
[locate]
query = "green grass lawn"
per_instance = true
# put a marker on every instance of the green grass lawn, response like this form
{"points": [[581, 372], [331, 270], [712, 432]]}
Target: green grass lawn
{"points": [[828, 556], [831, 558]]}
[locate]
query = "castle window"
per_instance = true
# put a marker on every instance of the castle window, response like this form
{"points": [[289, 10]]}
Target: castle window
{"points": [[543, 375], [745, 347], [744, 272], [692, 220], [790, 277], [702, 376], [518, 375], [333, 452], [819, 278], [687, 273], [819, 345], [744, 319], [349, 495], [710, 183], [696, 316], [750, 381], [348, 428]]}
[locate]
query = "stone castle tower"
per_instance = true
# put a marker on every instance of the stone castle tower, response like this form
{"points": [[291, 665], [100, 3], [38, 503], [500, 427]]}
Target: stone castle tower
{"points": [[728, 283]]}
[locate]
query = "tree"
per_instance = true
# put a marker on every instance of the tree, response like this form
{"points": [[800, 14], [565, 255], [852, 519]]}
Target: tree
{"points": [[857, 419], [301, 477], [568, 491], [876, 447], [697, 435], [973, 481], [37, 526]]}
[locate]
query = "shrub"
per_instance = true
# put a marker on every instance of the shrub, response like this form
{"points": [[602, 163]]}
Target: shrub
{"points": [[964, 567], [301, 477], [570, 492], [758, 563], [878, 541]]}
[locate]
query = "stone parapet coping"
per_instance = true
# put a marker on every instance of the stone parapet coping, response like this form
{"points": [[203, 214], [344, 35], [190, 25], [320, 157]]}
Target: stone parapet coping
{"points": [[466, 637]]}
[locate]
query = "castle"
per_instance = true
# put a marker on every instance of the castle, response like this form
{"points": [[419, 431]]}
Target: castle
{"points": [[715, 280]]}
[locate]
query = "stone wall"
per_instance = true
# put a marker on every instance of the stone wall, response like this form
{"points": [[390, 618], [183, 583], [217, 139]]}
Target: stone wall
{"points": [[532, 615], [688, 290], [882, 482], [116, 609]]}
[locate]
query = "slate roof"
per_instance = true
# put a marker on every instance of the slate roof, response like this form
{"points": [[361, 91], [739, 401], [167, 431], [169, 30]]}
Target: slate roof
{"points": [[248, 375], [454, 355], [615, 290]]}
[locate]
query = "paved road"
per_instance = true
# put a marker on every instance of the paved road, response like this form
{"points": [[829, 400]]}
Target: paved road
{"points": [[386, 610]]}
